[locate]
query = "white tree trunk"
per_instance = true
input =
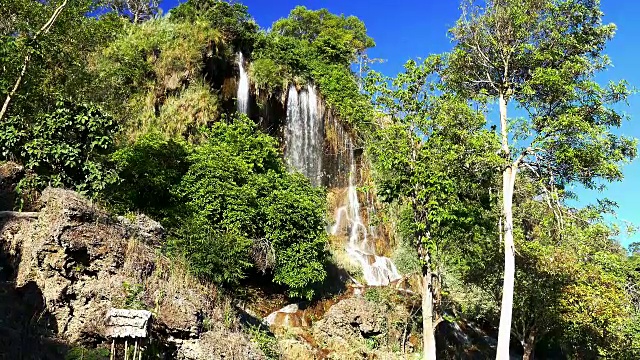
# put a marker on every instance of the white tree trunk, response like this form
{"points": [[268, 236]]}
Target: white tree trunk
{"points": [[428, 331], [508, 184]]}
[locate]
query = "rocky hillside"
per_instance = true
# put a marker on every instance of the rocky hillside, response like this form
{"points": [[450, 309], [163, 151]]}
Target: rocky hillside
{"points": [[64, 268]]}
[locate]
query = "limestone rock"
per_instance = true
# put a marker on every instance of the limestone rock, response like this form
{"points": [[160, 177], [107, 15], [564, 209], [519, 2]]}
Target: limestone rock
{"points": [[289, 316], [82, 261], [218, 344], [351, 319], [294, 349]]}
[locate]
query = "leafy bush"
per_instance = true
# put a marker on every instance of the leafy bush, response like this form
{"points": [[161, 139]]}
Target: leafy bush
{"points": [[231, 19], [222, 257], [148, 170], [133, 296], [66, 147], [242, 209]]}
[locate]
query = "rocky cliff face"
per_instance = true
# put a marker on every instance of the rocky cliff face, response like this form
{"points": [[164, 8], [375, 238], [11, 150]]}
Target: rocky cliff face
{"points": [[62, 271]]}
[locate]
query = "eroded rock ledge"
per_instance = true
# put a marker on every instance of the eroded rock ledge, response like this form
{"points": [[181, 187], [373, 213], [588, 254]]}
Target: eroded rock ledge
{"points": [[82, 261]]}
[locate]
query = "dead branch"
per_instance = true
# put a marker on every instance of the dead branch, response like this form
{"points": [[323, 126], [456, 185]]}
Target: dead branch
{"points": [[19, 214]]}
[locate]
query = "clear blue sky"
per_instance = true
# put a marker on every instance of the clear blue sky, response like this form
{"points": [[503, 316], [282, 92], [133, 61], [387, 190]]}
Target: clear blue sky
{"points": [[410, 29]]}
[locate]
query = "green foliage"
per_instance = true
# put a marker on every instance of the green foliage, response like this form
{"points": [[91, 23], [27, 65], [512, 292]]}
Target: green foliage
{"points": [[267, 75], [544, 57], [81, 353], [336, 37], [66, 147], [546, 63], [570, 278], [157, 48], [318, 47], [222, 257], [238, 200], [381, 295], [265, 340], [147, 68], [133, 296], [230, 18], [148, 170], [53, 56], [430, 156]]}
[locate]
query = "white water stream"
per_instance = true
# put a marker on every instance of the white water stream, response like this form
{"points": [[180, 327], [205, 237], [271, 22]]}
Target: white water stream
{"points": [[377, 270], [304, 135], [243, 87], [304, 143]]}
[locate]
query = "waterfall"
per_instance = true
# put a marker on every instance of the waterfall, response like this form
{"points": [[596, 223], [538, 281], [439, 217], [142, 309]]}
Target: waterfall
{"points": [[304, 134], [377, 270], [304, 137], [243, 87]]}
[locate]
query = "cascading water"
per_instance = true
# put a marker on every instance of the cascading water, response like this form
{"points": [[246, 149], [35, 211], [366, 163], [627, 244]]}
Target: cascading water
{"points": [[304, 137], [304, 133], [243, 87], [377, 270]]}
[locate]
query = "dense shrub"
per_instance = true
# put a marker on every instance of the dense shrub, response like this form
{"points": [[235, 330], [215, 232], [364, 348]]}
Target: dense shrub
{"points": [[242, 209], [148, 171], [66, 147]]}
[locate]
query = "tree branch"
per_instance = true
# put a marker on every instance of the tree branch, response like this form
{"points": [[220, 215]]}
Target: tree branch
{"points": [[25, 64], [19, 215]]}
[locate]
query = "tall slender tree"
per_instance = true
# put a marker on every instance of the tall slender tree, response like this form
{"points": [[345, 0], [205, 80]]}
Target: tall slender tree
{"points": [[428, 153], [541, 56]]}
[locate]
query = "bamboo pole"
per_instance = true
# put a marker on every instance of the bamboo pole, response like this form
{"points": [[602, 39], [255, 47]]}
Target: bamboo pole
{"points": [[135, 349], [113, 349], [126, 347]]}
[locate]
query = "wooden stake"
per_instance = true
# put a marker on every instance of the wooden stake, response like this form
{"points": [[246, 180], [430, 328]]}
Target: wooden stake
{"points": [[126, 347], [113, 349], [135, 349]]}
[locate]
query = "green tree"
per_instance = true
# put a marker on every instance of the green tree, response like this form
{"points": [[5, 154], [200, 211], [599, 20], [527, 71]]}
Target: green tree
{"points": [[542, 56], [570, 278], [316, 47], [340, 38], [429, 153], [44, 49]]}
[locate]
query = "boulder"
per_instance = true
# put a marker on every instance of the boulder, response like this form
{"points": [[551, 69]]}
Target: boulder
{"points": [[352, 319]]}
